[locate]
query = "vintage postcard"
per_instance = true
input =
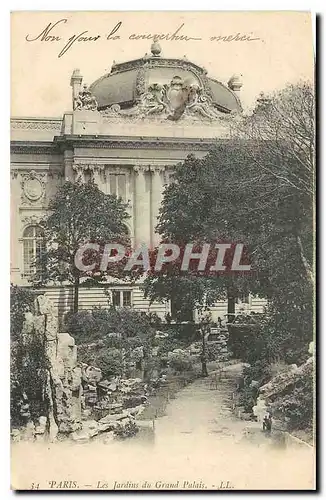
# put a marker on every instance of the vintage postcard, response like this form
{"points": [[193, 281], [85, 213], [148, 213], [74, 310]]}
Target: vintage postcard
{"points": [[162, 251]]}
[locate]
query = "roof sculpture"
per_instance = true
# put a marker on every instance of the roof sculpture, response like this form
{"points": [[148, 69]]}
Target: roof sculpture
{"points": [[160, 88]]}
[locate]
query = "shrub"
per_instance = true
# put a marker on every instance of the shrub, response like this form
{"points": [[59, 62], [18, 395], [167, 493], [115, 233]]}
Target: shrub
{"points": [[126, 430], [89, 326], [110, 361], [180, 361]]}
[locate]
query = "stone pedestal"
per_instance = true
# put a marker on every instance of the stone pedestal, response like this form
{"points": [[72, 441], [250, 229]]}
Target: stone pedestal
{"points": [[86, 122]]}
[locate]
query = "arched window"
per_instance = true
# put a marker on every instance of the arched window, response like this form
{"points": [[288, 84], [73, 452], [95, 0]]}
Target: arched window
{"points": [[33, 246]]}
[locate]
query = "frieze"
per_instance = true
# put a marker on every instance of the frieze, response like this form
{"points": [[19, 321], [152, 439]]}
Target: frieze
{"points": [[36, 124]]}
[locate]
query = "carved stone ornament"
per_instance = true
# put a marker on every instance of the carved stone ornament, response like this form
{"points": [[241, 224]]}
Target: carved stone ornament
{"points": [[31, 220], [33, 187], [178, 99], [85, 100]]}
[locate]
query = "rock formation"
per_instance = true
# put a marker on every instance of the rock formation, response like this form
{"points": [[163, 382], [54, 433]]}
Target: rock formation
{"points": [[62, 391]]}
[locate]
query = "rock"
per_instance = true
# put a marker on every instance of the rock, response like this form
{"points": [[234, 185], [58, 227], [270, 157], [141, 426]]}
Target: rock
{"points": [[259, 410], [109, 438], [29, 432], [16, 435], [41, 428], [133, 401], [137, 410], [91, 374], [113, 418], [90, 426], [82, 436], [87, 413], [104, 384], [286, 378], [109, 426], [76, 377], [63, 381]]}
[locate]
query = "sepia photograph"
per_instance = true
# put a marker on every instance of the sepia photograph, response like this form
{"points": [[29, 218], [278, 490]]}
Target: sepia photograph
{"points": [[162, 251]]}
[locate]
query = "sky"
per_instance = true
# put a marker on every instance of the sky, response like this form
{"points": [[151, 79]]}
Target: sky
{"points": [[276, 49]]}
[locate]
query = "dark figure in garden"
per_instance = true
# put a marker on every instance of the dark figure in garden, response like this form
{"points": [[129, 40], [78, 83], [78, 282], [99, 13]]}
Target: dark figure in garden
{"points": [[267, 423]]}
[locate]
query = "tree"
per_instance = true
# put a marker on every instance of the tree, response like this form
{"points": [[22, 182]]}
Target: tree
{"points": [[80, 214], [281, 137], [256, 188]]}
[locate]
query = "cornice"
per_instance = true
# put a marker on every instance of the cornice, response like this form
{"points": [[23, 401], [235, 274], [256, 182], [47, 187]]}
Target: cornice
{"points": [[133, 142]]}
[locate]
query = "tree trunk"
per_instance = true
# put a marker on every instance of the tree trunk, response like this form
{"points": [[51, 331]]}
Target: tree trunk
{"points": [[231, 307], [76, 294], [204, 371], [305, 263]]}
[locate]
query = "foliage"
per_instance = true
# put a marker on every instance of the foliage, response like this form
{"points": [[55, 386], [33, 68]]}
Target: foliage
{"points": [[296, 407], [213, 351], [109, 360], [80, 214], [127, 430], [108, 338], [177, 338], [256, 188], [89, 326], [259, 373], [21, 301], [180, 361]]}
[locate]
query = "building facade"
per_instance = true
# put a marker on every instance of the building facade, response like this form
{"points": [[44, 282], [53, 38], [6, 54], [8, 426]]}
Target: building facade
{"points": [[127, 131]]}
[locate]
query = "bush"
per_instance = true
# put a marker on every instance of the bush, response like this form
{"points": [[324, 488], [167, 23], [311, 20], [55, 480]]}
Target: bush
{"points": [[180, 361], [110, 361], [126, 430], [90, 326], [131, 329]]}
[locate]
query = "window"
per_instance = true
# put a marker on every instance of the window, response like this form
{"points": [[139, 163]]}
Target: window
{"points": [[117, 185], [33, 247], [121, 298]]}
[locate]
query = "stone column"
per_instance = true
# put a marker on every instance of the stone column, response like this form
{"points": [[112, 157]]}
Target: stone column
{"points": [[141, 206], [75, 83], [156, 200], [68, 161]]}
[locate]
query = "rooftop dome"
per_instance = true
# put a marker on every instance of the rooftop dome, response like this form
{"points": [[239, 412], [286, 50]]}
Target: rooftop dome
{"points": [[157, 85]]}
